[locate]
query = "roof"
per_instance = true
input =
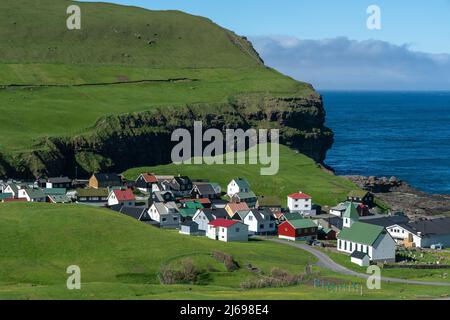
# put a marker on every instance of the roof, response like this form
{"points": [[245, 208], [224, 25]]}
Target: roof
{"points": [[302, 223], [235, 207], [55, 191], [357, 193], [361, 232], [339, 207], [213, 214], [193, 205], [358, 255], [4, 196], [223, 223], [242, 213], [205, 188], [189, 223], [242, 183], [351, 212], [60, 180], [100, 192], [437, 226], [134, 212], [299, 195], [166, 208], [203, 201], [108, 177], [387, 221], [35, 193], [292, 216], [59, 198], [124, 195], [245, 195], [149, 178], [187, 212]]}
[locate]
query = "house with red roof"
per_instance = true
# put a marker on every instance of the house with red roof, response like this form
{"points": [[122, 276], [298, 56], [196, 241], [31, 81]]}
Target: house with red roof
{"points": [[122, 197], [145, 182], [301, 203], [227, 230]]}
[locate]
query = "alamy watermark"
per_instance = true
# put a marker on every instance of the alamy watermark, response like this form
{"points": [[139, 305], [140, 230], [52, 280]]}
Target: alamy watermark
{"points": [[74, 280], [73, 22], [233, 152], [374, 19]]}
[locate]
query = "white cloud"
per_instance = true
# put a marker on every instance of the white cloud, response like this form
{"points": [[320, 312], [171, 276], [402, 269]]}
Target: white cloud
{"points": [[344, 64]]}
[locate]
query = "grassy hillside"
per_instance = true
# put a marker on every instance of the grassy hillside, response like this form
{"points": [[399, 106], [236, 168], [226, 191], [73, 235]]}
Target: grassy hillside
{"points": [[124, 59], [120, 257], [36, 32], [40, 241], [297, 172]]}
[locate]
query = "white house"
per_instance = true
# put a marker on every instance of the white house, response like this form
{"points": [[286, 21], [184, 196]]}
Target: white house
{"points": [[338, 210], [422, 233], [14, 188], [259, 221], [204, 216], [32, 195], [166, 214], [227, 230], [360, 258], [301, 203], [122, 197], [365, 238], [236, 186]]}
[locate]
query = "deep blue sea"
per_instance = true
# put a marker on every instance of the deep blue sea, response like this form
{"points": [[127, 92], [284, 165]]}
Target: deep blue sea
{"points": [[402, 134]]}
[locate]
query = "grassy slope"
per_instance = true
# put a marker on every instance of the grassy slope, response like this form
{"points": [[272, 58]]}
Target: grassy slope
{"points": [[297, 172], [113, 46], [119, 258]]}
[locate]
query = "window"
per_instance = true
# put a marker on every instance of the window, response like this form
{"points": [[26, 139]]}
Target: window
{"points": [[250, 218], [237, 229], [175, 219], [271, 225], [163, 219], [261, 226]]}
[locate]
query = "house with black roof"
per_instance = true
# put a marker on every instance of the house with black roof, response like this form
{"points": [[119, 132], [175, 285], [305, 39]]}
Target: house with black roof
{"points": [[105, 180]]}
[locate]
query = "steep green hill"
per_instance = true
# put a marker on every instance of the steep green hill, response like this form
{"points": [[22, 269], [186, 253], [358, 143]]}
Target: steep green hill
{"points": [[120, 258], [36, 32], [56, 85]]}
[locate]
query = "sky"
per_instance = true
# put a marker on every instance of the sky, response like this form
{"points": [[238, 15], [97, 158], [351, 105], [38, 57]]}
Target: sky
{"points": [[327, 42]]}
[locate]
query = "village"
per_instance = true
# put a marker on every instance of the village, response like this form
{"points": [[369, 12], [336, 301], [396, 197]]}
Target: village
{"points": [[198, 207]]}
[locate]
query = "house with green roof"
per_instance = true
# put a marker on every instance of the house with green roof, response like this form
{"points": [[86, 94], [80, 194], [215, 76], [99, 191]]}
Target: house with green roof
{"points": [[32, 195], [350, 215], [298, 229], [360, 239]]}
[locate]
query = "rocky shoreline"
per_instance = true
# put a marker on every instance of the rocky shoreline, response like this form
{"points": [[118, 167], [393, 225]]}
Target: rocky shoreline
{"points": [[400, 196]]}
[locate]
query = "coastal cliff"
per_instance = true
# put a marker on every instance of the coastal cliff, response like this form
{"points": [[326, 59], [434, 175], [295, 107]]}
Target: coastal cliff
{"points": [[120, 142]]}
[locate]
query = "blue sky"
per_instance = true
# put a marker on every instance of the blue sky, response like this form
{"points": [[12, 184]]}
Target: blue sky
{"points": [[411, 51], [423, 24]]}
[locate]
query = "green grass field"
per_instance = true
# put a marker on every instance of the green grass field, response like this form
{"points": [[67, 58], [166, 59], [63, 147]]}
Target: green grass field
{"points": [[112, 52], [297, 172], [120, 257]]}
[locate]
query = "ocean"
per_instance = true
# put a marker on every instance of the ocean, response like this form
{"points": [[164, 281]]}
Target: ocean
{"points": [[402, 134]]}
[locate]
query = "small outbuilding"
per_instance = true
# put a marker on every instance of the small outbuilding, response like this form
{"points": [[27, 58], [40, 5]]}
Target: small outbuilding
{"points": [[360, 258], [189, 228]]}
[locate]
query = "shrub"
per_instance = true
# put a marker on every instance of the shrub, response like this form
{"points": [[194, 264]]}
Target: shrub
{"points": [[277, 278], [226, 259], [187, 272]]}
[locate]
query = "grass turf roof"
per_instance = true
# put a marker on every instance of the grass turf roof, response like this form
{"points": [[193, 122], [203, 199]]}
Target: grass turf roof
{"points": [[361, 232]]}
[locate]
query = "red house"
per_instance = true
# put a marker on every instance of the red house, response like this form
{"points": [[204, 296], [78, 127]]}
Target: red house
{"points": [[299, 229]]}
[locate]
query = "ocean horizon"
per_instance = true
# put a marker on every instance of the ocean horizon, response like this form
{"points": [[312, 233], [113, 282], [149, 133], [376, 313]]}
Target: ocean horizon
{"points": [[391, 133]]}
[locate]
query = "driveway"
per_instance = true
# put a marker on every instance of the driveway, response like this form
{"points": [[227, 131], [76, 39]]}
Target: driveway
{"points": [[327, 263]]}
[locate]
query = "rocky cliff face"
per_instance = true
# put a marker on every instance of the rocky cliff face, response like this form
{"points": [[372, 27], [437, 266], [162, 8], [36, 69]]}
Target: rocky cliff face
{"points": [[116, 143]]}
